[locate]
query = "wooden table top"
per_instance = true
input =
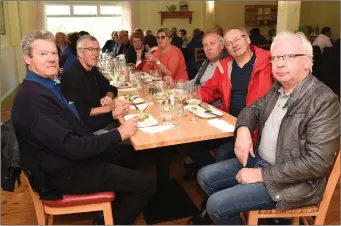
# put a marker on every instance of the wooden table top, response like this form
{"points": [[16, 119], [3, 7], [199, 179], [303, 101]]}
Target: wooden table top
{"points": [[186, 132]]}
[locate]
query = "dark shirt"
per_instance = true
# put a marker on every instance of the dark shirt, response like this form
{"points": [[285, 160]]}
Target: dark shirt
{"points": [[49, 132], [177, 41], [109, 45], [240, 78], [123, 49], [131, 55], [85, 89]]}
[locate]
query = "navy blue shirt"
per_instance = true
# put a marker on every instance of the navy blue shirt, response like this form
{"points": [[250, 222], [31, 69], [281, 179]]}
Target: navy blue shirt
{"points": [[54, 86], [240, 78]]}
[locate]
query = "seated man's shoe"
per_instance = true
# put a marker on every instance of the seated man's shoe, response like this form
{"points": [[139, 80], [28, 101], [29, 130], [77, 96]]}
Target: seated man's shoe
{"points": [[201, 218], [191, 171]]}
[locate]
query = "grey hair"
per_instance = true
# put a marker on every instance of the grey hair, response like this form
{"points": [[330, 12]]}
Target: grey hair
{"points": [[81, 40], [28, 39], [241, 29], [307, 47], [221, 39]]}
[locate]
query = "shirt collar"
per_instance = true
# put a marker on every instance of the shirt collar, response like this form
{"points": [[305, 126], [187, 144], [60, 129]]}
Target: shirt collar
{"points": [[281, 92], [48, 83], [152, 49]]}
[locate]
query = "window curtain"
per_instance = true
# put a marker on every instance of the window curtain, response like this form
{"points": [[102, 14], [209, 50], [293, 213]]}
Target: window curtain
{"points": [[40, 15], [129, 16]]}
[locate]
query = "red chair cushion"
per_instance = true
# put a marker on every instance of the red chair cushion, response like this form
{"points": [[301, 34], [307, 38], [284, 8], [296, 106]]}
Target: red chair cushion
{"points": [[83, 199]]}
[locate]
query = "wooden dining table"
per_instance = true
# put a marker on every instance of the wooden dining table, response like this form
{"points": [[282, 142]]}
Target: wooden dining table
{"points": [[164, 142]]}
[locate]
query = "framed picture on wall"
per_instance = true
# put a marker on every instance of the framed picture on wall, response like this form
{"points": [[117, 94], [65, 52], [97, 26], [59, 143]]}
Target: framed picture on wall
{"points": [[2, 18]]}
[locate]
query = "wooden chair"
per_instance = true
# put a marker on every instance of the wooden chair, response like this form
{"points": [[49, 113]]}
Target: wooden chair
{"points": [[318, 211], [46, 209], [199, 55]]}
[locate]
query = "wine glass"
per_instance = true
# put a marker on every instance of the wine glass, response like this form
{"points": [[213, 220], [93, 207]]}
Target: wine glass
{"points": [[181, 92], [194, 98]]}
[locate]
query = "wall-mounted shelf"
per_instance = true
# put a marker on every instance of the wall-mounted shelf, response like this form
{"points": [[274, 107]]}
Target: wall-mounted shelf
{"points": [[178, 14], [260, 15]]}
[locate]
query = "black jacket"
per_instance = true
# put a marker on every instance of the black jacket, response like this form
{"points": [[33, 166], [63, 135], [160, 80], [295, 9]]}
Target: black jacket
{"points": [[10, 157], [51, 137]]}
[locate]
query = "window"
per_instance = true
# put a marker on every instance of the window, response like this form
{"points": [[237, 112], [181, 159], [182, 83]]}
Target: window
{"points": [[92, 18]]}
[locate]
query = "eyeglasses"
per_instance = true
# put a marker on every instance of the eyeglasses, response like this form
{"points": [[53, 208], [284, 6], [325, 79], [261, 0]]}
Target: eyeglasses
{"points": [[92, 50], [228, 44], [286, 57], [161, 37]]}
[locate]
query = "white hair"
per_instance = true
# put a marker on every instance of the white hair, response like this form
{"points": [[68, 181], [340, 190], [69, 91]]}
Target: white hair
{"points": [[81, 40], [285, 35], [221, 39], [28, 39], [241, 29]]}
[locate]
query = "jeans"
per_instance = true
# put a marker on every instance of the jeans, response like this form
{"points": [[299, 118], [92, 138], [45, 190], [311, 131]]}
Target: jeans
{"points": [[227, 198], [226, 150]]}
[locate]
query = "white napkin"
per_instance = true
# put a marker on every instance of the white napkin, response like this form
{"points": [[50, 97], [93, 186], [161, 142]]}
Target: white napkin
{"points": [[156, 129], [221, 125], [140, 106]]}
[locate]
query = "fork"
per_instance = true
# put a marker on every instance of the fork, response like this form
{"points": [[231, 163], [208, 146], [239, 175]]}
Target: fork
{"points": [[132, 102]]}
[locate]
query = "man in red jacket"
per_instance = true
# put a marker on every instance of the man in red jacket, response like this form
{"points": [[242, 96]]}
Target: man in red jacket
{"points": [[238, 81]]}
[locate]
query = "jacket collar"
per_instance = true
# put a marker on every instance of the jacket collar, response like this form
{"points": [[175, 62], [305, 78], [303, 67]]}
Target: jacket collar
{"points": [[48, 83], [300, 89]]}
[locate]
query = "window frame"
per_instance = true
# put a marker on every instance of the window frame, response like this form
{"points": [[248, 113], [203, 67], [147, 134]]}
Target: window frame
{"points": [[84, 4]]}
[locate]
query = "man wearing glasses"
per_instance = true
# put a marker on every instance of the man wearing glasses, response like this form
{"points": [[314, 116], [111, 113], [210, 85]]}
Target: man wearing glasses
{"points": [[88, 89], [287, 167]]}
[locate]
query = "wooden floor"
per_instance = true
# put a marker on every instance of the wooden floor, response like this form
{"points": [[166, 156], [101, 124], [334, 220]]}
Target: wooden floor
{"points": [[17, 207]]}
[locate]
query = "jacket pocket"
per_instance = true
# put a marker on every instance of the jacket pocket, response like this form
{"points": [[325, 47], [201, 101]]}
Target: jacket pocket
{"points": [[299, 192]]}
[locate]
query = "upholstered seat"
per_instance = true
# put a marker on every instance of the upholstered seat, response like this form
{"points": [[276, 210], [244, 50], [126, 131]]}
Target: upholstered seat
{"points": [[83, 199]]}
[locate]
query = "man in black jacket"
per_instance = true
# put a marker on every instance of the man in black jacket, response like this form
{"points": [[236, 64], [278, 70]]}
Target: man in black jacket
{"points": [[88, 89], [57, 148]]}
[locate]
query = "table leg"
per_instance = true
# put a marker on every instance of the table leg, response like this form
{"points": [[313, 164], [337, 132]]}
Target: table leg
{"points": [[162, 167]]}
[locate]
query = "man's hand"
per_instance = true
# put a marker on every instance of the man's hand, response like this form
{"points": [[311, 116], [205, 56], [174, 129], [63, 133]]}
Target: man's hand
{"points": [[169, 82], [121, 108], [106, 101], [249, 176], [128, 128], [243, 146]]}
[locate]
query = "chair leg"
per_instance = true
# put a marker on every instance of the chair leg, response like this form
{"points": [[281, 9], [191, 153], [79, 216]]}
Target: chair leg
{"points": [[107, 212], [253, 217], [296, 221], [50, 219]]}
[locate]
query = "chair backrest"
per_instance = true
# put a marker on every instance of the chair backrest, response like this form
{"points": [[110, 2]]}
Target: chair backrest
{"points": [[38, 205], [199, 55], [330, 187]]}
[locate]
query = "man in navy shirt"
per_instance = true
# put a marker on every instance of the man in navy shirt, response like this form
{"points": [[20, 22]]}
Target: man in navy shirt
{"points": [[58, 152]]}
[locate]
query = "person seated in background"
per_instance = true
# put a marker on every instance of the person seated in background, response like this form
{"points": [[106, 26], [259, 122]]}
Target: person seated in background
{"points": [[218, 30], [256, 38], [117, 43], [109, 44], [136, 50], [176, 40], [70, 54], [138, 30], [59, 154], [81, 33], [182, 34], [124, 43], [88, 89], [323, 39], [189, 53], [61, 42], [150, 45], [288, 166], [167, 58], [271, 35], [148, 32]]}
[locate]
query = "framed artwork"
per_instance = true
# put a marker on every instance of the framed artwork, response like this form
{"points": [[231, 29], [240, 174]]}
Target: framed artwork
{"points": [[2, 18]]}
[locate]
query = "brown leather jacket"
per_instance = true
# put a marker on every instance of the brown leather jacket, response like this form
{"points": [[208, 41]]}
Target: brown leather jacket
{"points": [[306, 143]]}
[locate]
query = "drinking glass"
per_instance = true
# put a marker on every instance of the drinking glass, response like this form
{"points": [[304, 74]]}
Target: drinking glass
{"points": [[181, 91], [194, 98]]}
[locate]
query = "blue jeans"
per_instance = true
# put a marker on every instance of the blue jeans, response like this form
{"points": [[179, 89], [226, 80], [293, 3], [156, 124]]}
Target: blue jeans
{"points": [[227, 197]]}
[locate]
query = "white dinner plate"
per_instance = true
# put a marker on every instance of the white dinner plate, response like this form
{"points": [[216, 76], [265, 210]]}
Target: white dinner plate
{"points": [[199, 111], [151, 121]]}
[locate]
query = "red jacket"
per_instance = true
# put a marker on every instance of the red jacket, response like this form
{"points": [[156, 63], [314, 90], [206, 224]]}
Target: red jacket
{"points": [[219, 85]]}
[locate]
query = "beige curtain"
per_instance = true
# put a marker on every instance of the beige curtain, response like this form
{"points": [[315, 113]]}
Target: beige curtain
{"points": [[129, 16], [40, 15]]}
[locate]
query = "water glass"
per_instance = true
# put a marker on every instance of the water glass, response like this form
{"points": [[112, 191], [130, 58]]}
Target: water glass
{"points": [[168, 114]]}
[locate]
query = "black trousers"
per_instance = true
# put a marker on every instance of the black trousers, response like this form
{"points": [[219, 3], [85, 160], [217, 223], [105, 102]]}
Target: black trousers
{"points": [[108, 172]]}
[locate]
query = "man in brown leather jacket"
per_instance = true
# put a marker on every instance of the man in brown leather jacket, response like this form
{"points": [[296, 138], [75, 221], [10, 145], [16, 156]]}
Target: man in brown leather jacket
{"points": [[298, 128]]}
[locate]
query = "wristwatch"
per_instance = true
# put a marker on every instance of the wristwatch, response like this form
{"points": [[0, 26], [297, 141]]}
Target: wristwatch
{"points": [[158, 62]]}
